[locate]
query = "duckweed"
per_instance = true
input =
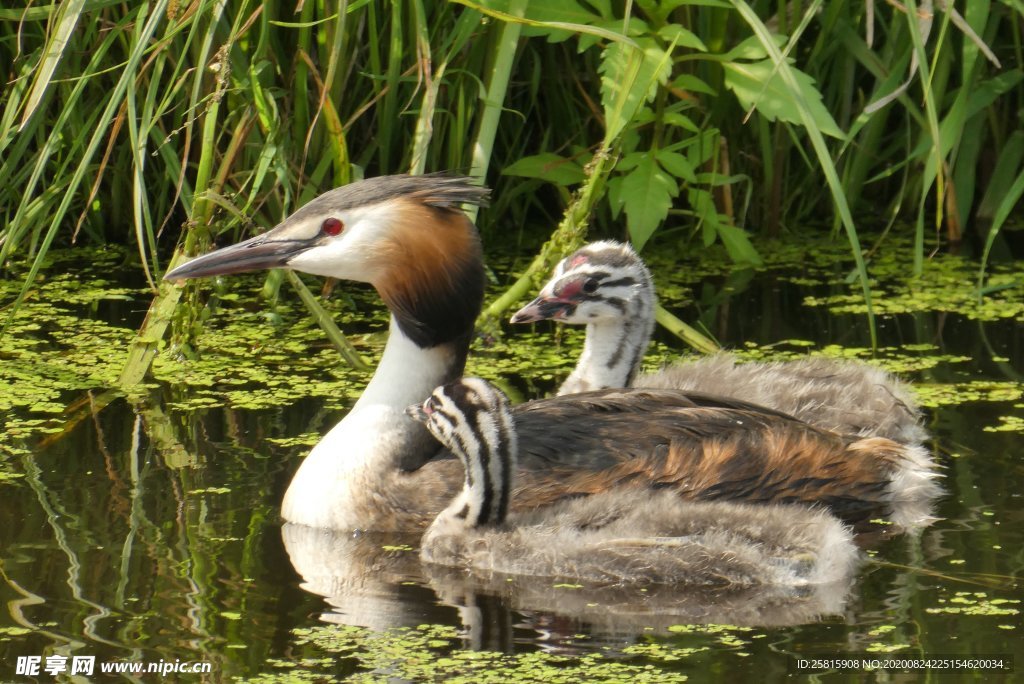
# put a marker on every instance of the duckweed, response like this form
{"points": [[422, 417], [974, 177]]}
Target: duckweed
{"points": [[952, 394], [976, 603], [71, 335], [65, 343], [432, 653], [1007, 424]]}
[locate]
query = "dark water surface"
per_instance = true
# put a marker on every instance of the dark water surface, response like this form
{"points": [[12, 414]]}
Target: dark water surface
{"points": [[140, 529]]}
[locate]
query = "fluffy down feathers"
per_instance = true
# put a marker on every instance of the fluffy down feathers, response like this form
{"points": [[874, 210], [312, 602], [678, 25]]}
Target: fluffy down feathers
{"points": [[639, 537]]}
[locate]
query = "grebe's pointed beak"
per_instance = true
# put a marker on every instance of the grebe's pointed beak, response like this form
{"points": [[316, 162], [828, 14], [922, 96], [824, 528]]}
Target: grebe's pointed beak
{"points": [[543, 309], [272, 249]]}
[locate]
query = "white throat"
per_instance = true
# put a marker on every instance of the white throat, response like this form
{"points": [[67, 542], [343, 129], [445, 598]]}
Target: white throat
{"points": [[339, 484], [612, 353], [407, 373]]}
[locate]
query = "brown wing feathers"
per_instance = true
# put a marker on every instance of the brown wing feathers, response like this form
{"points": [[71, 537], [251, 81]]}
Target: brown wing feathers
{"points": [[703, 452]]}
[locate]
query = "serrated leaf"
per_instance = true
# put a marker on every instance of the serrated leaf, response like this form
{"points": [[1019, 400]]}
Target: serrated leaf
{"points": [[566, 11], [712, 179], [547, 166], [736, 242], [751, 49], [759, 85], [630, 160], [635, 27], [556, 20], [704, 206], [615, 195], [681, 36], [629, 77], [680, 120], [646, 196], [716, 226], [678, 165], [691, 83]]}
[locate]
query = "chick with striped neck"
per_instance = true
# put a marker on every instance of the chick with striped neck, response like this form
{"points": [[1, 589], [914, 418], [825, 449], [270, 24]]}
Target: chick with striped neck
{"points": [[375, 470], [636, 535], [607, 287]]}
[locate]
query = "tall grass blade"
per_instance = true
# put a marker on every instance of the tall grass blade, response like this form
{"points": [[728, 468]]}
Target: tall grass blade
{"points": [[493, 95], [161, 311], [67, 18], [822, 153], [919, 25], [146, 25]]}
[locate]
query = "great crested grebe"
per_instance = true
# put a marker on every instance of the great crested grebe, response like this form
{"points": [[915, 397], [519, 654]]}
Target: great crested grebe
{"points": [[607, 287], [407, 237], [615, 536]]}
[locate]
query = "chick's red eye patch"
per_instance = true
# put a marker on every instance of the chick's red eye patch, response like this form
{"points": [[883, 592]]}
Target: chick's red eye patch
{"points": [[570, 289]]}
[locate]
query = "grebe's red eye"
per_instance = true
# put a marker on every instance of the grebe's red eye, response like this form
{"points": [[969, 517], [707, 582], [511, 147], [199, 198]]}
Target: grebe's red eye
{"points": [[332, 226]]}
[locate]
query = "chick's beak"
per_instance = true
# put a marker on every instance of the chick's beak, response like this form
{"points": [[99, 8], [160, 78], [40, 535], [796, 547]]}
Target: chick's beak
{"points": [[542, 309], [417, 412]]}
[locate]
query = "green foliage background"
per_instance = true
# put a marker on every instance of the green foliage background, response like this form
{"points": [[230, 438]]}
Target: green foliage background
{"points": [[165, 123]]}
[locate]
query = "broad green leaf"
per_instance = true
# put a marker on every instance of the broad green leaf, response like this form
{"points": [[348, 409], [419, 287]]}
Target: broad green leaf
{"points": [[716, 226], [635, 27], [630, 160], [736, 242], [629, 77], [674, 33], [700, 148], [615, 195], [646, 196], [759, 85], [680, 120], [678, 165], [693, 84], [547, 166], [563, 11], [751, 49], [604, 7], [556, 19], [659, 10], [712, 179], [817, 141], [704, 206]]}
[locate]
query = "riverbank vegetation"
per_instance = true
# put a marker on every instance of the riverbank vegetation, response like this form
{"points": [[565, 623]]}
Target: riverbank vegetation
{"points": [[169, 124]]}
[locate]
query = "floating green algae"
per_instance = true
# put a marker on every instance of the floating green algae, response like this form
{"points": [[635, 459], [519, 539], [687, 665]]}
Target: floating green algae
{"points": [[1007, 424], [976, 603], [435, 653], [255, 355], [248, 359], [59, 344], [944, 285], [881, 646], [956, 393]]}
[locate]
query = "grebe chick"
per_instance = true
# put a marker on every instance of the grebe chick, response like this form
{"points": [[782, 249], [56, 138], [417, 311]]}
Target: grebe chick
{"points": [[408, 237], [607, 287], [631, 535]]}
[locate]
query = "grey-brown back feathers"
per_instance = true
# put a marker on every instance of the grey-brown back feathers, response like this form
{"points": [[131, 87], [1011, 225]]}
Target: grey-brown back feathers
{"points": [[621, 535]]}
